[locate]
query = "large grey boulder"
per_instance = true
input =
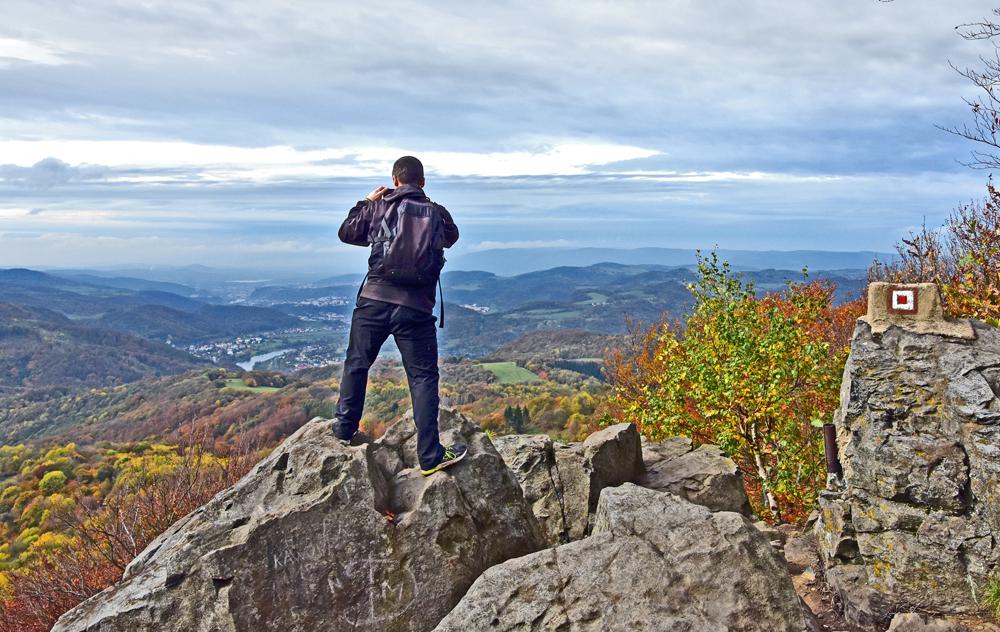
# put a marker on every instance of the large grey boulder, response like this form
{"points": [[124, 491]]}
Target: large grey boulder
{"points": [[563, 482], [607, 458], [654, 562], [320, 536], [654, 452], [704, 476], [914, 520]]}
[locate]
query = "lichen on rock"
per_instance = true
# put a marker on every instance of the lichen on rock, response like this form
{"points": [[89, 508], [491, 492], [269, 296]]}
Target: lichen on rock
{"points": [[918, 430]]}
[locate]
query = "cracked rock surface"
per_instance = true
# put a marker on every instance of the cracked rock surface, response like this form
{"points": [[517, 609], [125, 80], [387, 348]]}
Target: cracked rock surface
{"points": [[320, 536], [563, 481], [918, 429], [654, 562]]}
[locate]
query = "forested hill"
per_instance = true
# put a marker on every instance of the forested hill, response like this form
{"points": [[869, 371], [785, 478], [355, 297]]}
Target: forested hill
{"points": [[71, 333], [44, 349], [136, 306]]}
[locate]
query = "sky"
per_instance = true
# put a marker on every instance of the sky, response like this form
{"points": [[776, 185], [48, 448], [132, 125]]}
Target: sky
{"points": [[239, 134]]}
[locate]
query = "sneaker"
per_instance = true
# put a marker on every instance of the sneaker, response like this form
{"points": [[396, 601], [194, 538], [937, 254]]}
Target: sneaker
{"points": [[359, 438], [356, 439], [452, 455]]}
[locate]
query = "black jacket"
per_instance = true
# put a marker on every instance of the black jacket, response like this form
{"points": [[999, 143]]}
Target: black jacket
{"points": [[356, 230]]}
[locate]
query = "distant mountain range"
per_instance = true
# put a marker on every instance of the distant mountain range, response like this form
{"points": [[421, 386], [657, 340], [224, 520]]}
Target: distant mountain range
{"points": [[136, 306], [141, 285], [484, 310], [512, 261], [596, 298], [199, 277], [198, 280]]}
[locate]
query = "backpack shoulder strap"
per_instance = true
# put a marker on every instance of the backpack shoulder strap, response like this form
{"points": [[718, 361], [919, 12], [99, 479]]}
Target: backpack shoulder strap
{"points": [[441, 306], [384, 231], [363, 281]]}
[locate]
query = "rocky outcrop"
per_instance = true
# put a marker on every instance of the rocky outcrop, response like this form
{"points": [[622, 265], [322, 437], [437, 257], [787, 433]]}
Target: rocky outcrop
{"points": [[654, 562], [323, 536], [563, 482], [704, 476], [913, 522], [320, 536]]}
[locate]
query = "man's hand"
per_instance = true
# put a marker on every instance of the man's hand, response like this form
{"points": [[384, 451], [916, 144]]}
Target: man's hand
{"points": [[376, 194]]}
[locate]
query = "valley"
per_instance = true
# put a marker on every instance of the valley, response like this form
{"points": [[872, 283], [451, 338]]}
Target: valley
{"points": [[73, 330]]}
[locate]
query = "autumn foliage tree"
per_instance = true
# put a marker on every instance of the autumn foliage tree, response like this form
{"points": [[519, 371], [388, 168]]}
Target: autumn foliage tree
{"points": [[754, 375], [101, 534]]}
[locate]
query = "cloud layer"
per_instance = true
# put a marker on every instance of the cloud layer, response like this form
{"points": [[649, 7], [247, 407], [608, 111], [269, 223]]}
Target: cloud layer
{"points": [[240, 133]]}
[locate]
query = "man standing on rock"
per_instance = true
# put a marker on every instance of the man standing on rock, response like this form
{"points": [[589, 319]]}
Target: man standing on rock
{"points": [[407, 233]]}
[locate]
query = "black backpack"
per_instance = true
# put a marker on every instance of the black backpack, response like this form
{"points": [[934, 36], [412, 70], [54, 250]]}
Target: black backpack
{"points": [[408, 246]]}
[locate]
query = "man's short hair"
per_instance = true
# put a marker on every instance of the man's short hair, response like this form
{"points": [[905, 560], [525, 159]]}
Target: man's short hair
{"points": [[408, 170]]}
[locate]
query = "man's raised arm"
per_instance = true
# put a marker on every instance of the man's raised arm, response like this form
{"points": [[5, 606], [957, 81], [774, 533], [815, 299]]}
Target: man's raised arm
{"points": [[450, 229], [354, 230], [357, 226]]}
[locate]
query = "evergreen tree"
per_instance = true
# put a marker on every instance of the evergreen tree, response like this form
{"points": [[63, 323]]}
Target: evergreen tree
{"points": [[516, 422]]}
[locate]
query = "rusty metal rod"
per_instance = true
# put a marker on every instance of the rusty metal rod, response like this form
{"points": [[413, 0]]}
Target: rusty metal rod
{"points": [[830, 449]]}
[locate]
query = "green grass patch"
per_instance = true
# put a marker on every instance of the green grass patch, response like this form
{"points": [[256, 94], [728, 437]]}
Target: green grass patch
{"points": [[594, 297], [237, 385], [510, 373], [551, 314], [991, 597]]}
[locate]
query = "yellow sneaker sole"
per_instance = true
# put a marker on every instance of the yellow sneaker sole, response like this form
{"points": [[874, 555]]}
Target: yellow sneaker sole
{"points": [[444, 464]]}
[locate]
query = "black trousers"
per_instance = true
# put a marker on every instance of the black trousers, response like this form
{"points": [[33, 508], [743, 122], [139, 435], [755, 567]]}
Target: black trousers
{"points": [[415, 334]]}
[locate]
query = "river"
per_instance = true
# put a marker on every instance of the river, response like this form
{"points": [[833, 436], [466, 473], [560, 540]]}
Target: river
{"points": [[257, 359]]}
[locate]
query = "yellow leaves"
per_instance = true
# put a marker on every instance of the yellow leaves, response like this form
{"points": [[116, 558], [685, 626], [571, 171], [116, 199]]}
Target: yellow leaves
{"points": [[56, 452], [52, 482], [60, 503], [49, 541], [27, 537], [9, 493]]}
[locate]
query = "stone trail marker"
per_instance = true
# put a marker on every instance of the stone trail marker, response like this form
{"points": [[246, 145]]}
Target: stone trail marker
{"points": [[913, 522], [915, 307]]}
